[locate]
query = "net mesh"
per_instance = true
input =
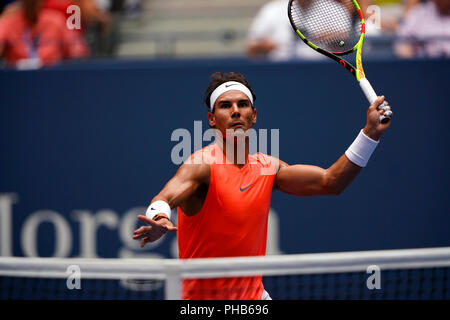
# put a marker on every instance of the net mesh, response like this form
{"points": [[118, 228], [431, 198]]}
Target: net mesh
{"points": [[411, 284], [404, 274], [328, 24], [415, 284], [30, 288]]}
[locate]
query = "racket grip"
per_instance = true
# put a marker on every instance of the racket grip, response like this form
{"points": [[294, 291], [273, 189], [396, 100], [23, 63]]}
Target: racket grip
{"points": [[372, 96], [368, 90]]}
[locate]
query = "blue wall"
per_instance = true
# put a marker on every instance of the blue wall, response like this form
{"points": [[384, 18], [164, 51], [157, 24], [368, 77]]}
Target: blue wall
{"points": [[97, 136]]}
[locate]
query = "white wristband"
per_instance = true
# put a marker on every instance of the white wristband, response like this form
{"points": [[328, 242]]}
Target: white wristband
{"points": [[361, 149], [156, 207]]}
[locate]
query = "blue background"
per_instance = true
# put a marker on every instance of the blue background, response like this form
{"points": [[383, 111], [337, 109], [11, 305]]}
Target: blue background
{"points": [[97, 135]]}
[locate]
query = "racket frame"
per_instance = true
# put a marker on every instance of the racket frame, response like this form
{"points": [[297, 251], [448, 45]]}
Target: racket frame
{"points": [[358, 71]]}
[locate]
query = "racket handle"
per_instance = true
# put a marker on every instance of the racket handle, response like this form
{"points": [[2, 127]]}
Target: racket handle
{"points": [[372, 96]]}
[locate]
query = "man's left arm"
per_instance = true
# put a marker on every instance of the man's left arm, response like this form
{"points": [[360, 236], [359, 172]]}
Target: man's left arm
{"points": [[307, 180]]}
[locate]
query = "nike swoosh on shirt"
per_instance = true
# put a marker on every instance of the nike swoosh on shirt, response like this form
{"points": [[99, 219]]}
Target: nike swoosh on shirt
{"points": [[243, 189]]}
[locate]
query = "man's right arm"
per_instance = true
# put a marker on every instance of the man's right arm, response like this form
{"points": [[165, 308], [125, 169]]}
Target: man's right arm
{"points": [[176, 192], [184, 184]]}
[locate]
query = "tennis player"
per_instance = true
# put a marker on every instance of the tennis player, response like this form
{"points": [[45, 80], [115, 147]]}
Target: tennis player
{"points": [[223, 203]]}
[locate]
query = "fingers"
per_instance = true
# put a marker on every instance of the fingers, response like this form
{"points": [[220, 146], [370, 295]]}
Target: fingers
{"points": [[376, 104], [141, 232], [142, 229], [389, 114], [138, 234], [146, 220], [383, 108], [172, 229], [386, 117], [386, 113], [144, 241], [152, 232]]}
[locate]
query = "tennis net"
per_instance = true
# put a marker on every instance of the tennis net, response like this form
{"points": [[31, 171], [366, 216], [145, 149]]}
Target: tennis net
{"points": [[387, 274]]}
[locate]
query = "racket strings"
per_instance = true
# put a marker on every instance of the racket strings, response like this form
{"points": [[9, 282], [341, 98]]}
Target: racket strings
{"points": [[331, 25]]}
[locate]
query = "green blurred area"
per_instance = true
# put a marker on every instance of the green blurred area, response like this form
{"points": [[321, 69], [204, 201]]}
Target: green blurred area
{"points": [[382, 2]]}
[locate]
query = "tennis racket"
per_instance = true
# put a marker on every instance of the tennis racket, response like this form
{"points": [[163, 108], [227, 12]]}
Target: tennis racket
{"points": [[335, 29]]}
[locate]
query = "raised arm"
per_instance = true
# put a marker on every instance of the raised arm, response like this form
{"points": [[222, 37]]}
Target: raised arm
{"points": [[176, 192], [306, 180]]}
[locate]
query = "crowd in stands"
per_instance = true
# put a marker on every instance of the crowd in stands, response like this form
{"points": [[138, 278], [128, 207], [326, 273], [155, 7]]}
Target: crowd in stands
{"points": [[35, 33], [425, 31], [421, 30]]}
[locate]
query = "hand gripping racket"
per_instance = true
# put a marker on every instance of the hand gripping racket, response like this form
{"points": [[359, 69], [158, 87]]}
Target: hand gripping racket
{"points": [[335, 29]]}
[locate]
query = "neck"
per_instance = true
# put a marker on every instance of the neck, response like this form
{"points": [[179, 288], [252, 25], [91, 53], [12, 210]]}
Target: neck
{"points": [[236, 150]]}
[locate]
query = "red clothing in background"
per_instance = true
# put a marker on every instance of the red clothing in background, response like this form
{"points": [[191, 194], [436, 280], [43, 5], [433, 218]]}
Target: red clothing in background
{"points": [[49, 40]]}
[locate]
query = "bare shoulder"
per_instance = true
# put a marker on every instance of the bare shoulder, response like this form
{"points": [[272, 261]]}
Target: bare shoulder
{"points": [[196, 167], [273, 164], [279, 164], [271, 160]]}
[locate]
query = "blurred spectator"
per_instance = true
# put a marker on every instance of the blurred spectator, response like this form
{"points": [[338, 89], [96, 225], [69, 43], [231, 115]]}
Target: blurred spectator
{"points": [[33, 36], [92, 13], [8, 6], [425, 32], [133, 8], [381, 21], [271, 35], [380, 18], [408, 5], [98, 26], [3, 4]]}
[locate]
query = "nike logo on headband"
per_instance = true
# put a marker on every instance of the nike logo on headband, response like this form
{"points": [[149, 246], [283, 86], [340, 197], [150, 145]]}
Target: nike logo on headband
{"points": [[224, 87]]}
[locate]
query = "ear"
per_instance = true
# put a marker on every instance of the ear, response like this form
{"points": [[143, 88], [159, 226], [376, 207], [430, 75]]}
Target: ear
{"points": [[255, 114], [212, 119]]}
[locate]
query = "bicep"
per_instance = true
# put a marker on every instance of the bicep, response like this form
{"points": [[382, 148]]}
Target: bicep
{"points": [[301, 180], [184, 184]]}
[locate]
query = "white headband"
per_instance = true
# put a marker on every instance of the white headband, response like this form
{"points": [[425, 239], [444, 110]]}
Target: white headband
{"points": [[227, 86]]}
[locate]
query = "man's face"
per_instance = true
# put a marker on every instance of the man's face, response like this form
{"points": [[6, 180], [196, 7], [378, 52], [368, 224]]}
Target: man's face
{"points": [[232, 110]]}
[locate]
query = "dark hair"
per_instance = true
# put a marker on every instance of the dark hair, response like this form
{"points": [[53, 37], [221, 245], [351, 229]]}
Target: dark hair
{"points": [[31, 10], [217, 78]]}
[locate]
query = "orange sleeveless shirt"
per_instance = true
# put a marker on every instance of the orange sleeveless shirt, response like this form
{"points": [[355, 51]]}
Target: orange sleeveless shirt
{"points": [[231, 223]]}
